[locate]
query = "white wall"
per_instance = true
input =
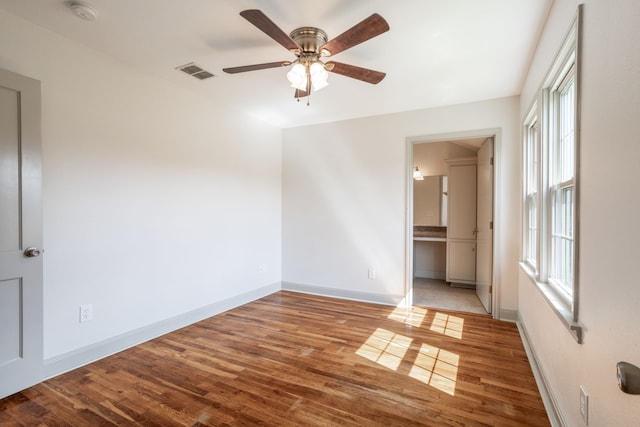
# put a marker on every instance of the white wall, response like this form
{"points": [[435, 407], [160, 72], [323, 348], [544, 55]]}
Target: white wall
{"points": [[156, 201], [344, 197], [609, 232]]}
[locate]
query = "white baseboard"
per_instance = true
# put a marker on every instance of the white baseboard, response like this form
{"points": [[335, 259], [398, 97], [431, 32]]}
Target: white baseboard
{"points": [[548, 398], [508, 315], [430, 274], [85, 355], [343, 294], [463, 285]]}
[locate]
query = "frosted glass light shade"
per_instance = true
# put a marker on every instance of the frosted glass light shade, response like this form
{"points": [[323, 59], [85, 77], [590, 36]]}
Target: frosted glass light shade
{"points": [[417, 175], [319, 76], [297, 76]]}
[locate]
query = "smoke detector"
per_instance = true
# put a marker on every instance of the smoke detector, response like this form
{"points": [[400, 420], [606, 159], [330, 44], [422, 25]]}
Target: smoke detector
{"points": [[83, 10]]}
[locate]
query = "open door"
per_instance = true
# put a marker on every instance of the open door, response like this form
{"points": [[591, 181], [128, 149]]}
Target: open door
{"points": [[21, 326], [484, 224]]}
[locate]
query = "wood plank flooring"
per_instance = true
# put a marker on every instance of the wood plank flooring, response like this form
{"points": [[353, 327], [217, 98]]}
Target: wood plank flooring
{"points": [[292, 359]]}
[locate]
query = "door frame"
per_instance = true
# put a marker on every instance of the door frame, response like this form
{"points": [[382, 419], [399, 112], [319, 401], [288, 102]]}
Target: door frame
{"points": [[496, 134]]}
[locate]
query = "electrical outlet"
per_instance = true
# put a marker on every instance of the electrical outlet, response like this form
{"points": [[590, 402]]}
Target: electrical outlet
{"points": [[86, 313], [372, 273], [262, 268], [584, 405]]}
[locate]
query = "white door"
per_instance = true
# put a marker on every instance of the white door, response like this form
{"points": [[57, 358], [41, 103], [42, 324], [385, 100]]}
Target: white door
{"points": [[484, 224], [20, 234]]}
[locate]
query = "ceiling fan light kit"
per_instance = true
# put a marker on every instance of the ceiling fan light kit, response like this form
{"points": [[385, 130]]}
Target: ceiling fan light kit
{"points": [[308, 69], [309, 44], [319, 75], [298, 76]]}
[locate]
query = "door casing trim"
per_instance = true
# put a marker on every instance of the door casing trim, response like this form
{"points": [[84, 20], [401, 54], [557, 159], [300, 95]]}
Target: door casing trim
{"points": [[411, 141]]}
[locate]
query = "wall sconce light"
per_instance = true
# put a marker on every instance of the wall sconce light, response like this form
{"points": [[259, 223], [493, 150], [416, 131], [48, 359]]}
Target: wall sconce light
{"points": [[417, 175]]}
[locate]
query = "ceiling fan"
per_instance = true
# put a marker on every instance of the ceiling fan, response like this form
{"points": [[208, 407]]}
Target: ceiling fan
{"points": [[309, 45]]}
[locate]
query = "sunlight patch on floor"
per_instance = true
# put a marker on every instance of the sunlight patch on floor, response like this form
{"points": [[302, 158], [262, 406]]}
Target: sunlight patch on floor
{"points": [[385, 348], [413, 317], [437, 368], [448, 325], [432, 366]]}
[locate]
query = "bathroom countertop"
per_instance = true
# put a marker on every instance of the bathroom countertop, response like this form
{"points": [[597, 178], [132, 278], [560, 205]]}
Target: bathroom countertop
{"points": [[429, 233]]}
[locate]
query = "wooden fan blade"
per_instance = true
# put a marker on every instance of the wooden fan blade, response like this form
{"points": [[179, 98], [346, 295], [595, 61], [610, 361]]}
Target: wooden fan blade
{"points": [[364, 74], [267, 26], [244, 68], [365, 30]]}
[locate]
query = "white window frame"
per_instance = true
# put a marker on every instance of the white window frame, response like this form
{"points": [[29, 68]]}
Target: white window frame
{"points": [[555, 276], [559, 274], [531, 151]]}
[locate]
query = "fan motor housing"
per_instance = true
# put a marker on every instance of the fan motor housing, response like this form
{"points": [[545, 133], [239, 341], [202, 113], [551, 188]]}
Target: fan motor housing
{"points": [[310, 39]]}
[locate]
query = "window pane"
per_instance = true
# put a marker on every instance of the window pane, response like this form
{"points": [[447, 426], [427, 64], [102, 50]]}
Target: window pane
{"points": [[566, 132], [567, 212], [531, 248], [532, 159], [562, 238]]}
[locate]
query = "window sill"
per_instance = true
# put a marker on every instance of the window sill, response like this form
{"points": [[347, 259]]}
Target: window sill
{"points": [[559, 305]]}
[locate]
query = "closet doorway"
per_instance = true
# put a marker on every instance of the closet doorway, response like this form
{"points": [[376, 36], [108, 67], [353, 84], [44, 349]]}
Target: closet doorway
{"points": [[450, 222]]}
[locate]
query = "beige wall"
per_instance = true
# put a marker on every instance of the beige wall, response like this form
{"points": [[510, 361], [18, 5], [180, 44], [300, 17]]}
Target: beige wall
{"points": [[608, 222], [427, 201], [431, 158]]}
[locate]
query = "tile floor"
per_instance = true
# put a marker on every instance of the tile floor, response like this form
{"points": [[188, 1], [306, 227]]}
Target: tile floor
{"points": [[438, 294]]}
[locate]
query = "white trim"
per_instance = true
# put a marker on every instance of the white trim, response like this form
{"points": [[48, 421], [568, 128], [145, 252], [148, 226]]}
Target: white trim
{"points": [[508, 315], [91, 353], [546, 392], [531, 123], [409, 243], [393, 300], [559, 304], [496, 134], [565, 67]]}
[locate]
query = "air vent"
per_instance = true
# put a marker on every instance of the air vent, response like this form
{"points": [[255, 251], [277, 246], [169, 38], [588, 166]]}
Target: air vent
{"points": [[195, 71]]}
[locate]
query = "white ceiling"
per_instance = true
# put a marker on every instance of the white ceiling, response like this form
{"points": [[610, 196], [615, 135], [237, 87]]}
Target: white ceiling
{"points": [[437, 52]]}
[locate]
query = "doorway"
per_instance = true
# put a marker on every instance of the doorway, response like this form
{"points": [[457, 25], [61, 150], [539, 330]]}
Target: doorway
{"points": [[450, 195]]}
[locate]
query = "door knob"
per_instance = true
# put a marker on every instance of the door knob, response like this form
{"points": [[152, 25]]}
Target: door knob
{"points": [[32, 252], [628, 377]]}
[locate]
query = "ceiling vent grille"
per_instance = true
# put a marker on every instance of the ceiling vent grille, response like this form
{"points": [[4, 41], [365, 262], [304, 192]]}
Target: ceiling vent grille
{"points": [[195, 70]]}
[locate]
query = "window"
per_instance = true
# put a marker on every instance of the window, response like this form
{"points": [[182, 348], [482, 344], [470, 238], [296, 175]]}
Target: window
{"points": [[530, 237], [550, 196], [562, 183]]}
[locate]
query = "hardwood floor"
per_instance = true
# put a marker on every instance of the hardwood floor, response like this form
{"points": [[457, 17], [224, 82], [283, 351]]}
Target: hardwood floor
{"points": [[295, 359]]}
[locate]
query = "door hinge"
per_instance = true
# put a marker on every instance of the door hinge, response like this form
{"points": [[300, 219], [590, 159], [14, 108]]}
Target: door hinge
{"points": [[490, 225], [491, 161], [491, 289]]}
